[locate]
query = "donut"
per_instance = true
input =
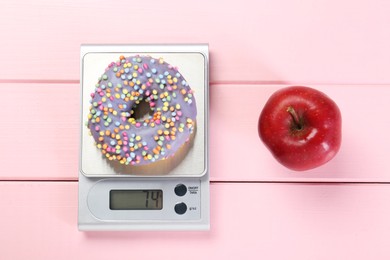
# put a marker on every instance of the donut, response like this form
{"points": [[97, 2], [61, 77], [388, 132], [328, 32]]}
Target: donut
{"points": [[141, 111]]}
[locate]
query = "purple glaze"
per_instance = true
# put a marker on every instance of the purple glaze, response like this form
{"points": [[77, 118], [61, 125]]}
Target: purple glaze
{"points": [[124, 85]]}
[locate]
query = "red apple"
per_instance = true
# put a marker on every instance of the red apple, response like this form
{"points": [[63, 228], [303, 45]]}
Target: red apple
{"points": [[301, 126]]}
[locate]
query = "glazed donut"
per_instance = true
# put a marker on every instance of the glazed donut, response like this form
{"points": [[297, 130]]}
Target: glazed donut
{"points": [[169, 117]]}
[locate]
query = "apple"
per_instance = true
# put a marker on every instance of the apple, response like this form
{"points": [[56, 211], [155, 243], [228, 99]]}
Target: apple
{"points": [[301, 126]]}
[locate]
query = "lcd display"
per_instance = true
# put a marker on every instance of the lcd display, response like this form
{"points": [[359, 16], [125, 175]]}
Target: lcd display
{"points": [[136, 199]]}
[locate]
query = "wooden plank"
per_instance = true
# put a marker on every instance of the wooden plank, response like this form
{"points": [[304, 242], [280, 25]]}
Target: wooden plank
{"points": [[255, 41], [269, 221], [48, 148], [39, 131], [237, 152]]}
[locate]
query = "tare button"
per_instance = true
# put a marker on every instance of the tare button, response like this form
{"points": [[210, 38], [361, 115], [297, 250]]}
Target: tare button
{"points": [[180, 190]]}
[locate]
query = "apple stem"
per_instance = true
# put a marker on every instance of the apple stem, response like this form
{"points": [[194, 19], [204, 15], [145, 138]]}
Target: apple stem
{"points": [[297, 122]]}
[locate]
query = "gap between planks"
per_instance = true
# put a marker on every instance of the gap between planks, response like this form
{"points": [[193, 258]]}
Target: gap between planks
{"points": [[228, 182], [212, 83]]}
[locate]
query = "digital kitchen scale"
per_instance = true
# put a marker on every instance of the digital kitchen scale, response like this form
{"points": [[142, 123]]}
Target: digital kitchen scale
{"points": [[116, 196]]}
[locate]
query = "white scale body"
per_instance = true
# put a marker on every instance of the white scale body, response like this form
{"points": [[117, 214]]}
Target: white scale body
{"points": [[113, 199]]}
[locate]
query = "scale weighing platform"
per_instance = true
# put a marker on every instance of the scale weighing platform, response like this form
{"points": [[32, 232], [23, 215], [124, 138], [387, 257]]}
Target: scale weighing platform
{"points": [[163, 196]]}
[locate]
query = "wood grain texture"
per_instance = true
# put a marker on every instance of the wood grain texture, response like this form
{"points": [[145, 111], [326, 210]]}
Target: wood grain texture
{"points": [[39, 131], [40, 140], [251, 41], [238, 154], [250, 221]]}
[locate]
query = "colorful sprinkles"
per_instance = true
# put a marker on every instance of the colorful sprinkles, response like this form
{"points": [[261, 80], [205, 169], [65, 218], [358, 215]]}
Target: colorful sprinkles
{"points": [[119, 94]]}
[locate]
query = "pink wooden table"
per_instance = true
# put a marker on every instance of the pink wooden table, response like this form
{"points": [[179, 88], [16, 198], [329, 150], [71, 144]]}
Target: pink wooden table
{"points": [[259, 210]]}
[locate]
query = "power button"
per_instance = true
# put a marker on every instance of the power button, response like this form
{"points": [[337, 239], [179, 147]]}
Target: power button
{"points": [[180, 190]]}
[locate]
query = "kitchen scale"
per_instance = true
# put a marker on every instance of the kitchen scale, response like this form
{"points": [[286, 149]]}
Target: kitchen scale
{"points": [[162, 197]]}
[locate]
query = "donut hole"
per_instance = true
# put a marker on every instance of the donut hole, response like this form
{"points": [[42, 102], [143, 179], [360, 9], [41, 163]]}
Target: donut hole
{"points": [[142, 111]]}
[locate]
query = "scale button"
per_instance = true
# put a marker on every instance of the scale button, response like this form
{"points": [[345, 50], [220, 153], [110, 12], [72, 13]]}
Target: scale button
{"points": [[180, 190], [180, 208]]}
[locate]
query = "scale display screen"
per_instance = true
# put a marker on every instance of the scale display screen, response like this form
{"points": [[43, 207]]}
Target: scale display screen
{"points": [[136, 199]]}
